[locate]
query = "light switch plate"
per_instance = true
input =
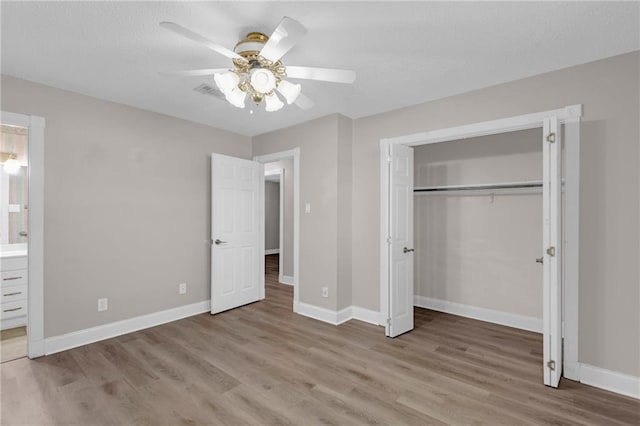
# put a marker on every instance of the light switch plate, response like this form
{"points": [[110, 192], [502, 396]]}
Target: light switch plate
{"points": [[103, 304], [307, 208]]}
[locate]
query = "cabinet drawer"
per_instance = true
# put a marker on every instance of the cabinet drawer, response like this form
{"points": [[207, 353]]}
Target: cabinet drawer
{"points": [[13, 263], [12, 278], [13, 309], [13, 293]]}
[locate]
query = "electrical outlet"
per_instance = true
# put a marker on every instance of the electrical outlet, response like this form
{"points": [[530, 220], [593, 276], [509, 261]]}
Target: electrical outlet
{"points": [[325, 291], [103, 304], [182, 288]]}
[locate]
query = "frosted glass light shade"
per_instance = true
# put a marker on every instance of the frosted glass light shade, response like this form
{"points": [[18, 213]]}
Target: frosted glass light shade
{"points": [[226, 82], [273, 103], [289, 91], [263, 80], [236, 97], [12, 166]]}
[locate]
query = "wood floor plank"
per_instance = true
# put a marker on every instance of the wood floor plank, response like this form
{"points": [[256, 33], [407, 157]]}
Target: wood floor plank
{"points": [[262, 364]]}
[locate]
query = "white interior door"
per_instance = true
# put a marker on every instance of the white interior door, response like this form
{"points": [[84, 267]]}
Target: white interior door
{"points": [[237, 232], [400, 241], [552, 251]]}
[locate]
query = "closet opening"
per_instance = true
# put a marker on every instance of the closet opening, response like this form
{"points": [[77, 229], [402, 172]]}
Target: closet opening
{"points": [[482, 227], [478, 228], [477, 237]]}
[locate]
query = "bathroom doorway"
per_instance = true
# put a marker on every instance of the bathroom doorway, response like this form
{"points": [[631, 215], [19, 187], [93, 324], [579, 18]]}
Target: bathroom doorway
{"points": [[22, 235], [14, 226]]}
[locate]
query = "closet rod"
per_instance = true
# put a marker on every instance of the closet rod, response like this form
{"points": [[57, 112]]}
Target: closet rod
{"points": [[514, 185]]}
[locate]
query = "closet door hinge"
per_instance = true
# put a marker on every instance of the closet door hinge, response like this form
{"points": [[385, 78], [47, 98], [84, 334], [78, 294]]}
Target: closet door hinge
{"points": [[551, 251], [388, 240], [552, 365], [389, 160], [551, 138]]}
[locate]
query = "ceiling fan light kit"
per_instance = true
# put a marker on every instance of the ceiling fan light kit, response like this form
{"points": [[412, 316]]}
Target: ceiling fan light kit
{"points": [[272, 102], [257, 70], [289, 91]]}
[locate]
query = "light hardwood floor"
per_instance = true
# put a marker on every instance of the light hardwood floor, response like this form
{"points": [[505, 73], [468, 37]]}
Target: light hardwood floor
{"points": [[262, 364], [13, 344]]}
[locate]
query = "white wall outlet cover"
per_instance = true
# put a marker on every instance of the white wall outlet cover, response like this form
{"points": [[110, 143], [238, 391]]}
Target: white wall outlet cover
{"points": [[307, 208], [325, 291], [182, 288]]}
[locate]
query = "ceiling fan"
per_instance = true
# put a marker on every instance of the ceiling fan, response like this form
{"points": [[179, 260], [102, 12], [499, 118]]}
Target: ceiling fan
{"points": [[258, 72]]}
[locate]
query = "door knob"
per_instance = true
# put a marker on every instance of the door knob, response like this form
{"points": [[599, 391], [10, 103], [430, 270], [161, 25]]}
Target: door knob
{"points": [[540, 260], [218, 242], [406, 250]]}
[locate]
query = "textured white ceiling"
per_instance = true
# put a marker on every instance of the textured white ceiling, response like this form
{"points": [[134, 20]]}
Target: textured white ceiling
{"points": [[403, 52]]}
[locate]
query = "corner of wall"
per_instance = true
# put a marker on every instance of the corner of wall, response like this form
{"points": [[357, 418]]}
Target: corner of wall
{"points": [[344, 231]]}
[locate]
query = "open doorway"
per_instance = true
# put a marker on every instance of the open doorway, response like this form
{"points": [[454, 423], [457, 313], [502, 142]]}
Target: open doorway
{"points": [[22, 246], [14, 226], [274, 213], [282, 223], [560, 135], [278, 222]]}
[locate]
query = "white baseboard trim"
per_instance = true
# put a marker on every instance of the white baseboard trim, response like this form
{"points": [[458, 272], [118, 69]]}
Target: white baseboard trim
{"points": [[341, 316], [482, 314], [271, 251], [367, 315], [36, 348], [610, 380], [118, 328], [285, 279], [318, 313], [571, 370]]}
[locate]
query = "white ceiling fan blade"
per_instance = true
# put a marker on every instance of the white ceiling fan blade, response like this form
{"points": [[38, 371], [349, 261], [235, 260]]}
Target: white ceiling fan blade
{"points": [[284, 37], [184, 32], [195, 73], [322, 74], [303, 102]]}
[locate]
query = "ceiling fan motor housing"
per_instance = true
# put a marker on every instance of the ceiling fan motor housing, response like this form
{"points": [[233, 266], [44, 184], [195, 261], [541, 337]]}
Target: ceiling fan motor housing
{"points": [[251, 45]]}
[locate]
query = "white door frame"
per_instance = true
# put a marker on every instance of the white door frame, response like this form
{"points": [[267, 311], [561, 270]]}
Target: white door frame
{"points": [[569, 116], [295, 155], [35, 253], [280, 173]]}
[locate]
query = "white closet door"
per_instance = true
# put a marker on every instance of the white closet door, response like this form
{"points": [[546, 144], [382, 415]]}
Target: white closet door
{"points": [[552, 251], [401, 241], [237, 223]]}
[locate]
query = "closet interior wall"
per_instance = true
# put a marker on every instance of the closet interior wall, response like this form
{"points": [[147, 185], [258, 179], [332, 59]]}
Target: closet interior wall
{"points": [[478, 248]]}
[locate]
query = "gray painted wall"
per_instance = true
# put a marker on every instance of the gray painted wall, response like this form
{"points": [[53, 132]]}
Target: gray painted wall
{"points": [[475, 249], [127, 205], [271, 215], [609, 223], [318, 142]]}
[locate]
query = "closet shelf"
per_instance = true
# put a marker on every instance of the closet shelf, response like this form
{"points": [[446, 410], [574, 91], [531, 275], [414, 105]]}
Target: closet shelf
{"points": [[510, 187]]}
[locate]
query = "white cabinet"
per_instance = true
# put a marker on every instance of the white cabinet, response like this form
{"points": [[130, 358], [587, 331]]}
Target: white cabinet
{"points": [[14, 281]]}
